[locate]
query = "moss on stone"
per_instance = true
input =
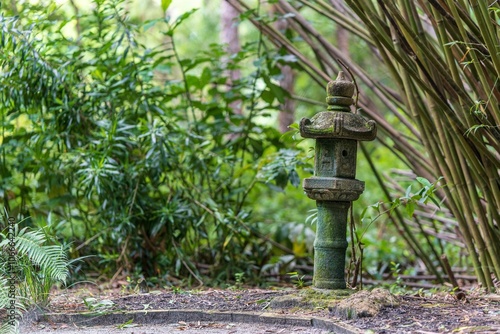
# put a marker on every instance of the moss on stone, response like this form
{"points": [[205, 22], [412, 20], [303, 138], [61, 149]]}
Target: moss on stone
{"points": [[311, 298]]}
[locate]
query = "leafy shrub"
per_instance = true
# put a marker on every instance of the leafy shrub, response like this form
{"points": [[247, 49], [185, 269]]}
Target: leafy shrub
{"points": [[130, 151]]}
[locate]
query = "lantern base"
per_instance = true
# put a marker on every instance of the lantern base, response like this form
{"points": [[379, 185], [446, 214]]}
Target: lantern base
{"points": [[330, 284]]}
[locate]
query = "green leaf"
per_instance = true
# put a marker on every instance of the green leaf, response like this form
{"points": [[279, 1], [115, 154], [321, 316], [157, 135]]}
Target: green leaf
{"points": [[366, 220], [276, 90], [267, 96], [181, 19], [193, 81], [149, 24], [363, 212], [205, 77], [127, 324], [416, 198], [408, 192], [274, 187], [281, 179], [424, 181], [434, 201], [165, 4], [410, 208], [294, 178], [289, 136]]}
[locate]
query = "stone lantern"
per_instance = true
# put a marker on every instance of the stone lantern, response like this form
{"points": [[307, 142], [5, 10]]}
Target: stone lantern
{"points": [[333, 185]]}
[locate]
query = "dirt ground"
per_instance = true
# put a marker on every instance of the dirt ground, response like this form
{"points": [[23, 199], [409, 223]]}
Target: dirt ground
{"points": [[437, 313]]}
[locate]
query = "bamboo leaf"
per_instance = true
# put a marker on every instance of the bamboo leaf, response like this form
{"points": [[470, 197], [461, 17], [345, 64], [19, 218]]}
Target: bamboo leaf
{"points": [[410, 208], [423, 181], [165, 4]]}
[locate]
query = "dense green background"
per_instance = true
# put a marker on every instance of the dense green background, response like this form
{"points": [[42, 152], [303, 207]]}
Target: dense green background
{"points": [[118, 140]]}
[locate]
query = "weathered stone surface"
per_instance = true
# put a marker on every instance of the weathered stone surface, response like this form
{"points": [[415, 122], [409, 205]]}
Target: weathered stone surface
{"points": [[334, 186], [330, 245], [333, 189], [364, 304], [338, 124], [161, 320], [335, 158], [310, 298], [340, 87], [288, 302]]}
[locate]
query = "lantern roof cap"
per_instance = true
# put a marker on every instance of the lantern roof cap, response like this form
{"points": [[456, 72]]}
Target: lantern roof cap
{"points": [[338, 121]]}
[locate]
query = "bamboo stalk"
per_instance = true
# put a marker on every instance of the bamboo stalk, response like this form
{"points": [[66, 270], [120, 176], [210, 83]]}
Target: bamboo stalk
{"points": [[337, 53], [481, 12], [455, 12], [455, 122], [483, 238], [401, 227], [448, 237], [442, 164], [278, 39], [338, 18], [375, 87], [446, 74], [322, 58]]}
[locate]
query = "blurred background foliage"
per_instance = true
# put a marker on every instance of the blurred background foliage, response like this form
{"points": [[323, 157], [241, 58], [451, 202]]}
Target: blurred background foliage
{"points": [[139, 134]]}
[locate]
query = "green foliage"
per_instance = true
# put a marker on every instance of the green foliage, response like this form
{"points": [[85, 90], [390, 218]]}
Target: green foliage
{"points": [[410, 200], [40, 263], [6, 326], [281, 168], [131, 151], [297, 279], [165, 4], [127, 324], [397, 286], [31, 263], [430, 81], [98, 306], [389, 250], [118, 134], [239, 280]]}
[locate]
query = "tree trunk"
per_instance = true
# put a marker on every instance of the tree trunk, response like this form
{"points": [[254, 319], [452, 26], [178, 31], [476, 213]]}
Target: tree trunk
{"points": [[229, 36], [341, 33], [343, 40], [287, 110]]}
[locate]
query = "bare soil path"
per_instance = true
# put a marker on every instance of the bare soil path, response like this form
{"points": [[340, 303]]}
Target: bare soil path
{"points": [[184, 328], [439, 313]]}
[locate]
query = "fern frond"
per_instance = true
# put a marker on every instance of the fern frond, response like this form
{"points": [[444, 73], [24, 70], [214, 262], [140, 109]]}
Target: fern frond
{"points": [[51, 259], [6, 326], [38, 265], [4, 293]]}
